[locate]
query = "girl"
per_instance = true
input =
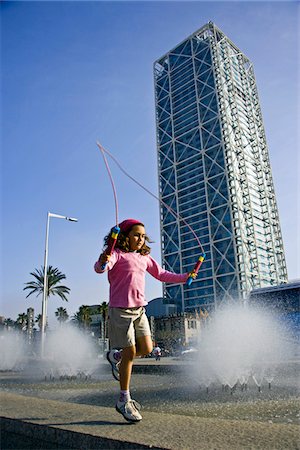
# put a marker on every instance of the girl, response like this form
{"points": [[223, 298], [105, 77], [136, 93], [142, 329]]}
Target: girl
{"points": [[128, 326]]}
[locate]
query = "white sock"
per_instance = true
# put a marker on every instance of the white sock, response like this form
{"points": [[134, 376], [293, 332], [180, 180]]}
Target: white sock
{"points": [[124, 396]]}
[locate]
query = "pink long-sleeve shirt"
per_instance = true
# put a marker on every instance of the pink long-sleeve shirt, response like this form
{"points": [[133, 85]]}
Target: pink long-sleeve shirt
{"points": [[126, 276]]}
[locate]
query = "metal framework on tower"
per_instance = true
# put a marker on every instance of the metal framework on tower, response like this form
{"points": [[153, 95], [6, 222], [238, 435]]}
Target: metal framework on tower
{"points": [[214, 171]]}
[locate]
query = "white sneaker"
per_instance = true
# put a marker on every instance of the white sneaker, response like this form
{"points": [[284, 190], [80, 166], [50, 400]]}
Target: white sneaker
{"points": [[129, 410], [111, 357]]}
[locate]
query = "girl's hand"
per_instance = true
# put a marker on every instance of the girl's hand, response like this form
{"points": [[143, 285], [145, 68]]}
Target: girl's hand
{"points": [[193, 274], [104, 258]]}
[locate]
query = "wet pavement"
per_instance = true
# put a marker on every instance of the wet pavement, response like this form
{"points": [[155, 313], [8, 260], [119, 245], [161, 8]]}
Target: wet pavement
{"points": [[177, 412]]}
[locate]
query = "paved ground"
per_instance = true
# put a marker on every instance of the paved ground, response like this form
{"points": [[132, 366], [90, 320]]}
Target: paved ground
{"points": [[177, 413]]}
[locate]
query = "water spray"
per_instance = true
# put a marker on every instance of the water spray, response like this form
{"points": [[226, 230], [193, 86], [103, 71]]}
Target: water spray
{"points": [[241, 347]]}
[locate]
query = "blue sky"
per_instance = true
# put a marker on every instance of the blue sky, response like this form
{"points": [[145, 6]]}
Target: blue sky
{"points": [[77, 72]]}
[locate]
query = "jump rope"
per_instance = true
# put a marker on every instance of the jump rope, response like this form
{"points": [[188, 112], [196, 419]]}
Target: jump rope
{"points": [[116, 229]]}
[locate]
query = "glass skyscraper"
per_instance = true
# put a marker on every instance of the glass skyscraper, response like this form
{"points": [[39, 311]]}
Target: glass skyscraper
{"points": [[214, 171]]}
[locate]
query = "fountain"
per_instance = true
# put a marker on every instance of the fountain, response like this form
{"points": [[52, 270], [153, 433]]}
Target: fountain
{"points": [[69, 353], [237, 346], [240, 344], [12, 351]]}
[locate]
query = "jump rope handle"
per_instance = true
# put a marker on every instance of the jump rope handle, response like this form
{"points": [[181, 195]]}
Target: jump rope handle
{"points": [[111, 243], [196, 269]]}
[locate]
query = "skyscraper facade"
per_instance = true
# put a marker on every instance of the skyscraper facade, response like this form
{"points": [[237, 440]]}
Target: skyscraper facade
{"points": [[214, 172]]}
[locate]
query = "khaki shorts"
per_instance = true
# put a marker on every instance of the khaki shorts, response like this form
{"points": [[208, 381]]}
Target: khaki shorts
{"points": [[125, 325]]}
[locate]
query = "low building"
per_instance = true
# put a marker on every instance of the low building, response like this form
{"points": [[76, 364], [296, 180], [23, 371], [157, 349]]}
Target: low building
{"points": [[283, 300], [178, 331], [158, 307]]}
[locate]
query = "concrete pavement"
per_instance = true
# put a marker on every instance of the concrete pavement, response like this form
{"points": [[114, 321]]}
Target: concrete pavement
{"points": [[61, 415], [79, 426]]}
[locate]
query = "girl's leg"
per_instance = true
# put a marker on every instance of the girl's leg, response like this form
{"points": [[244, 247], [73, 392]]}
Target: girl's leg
{"points": [[125, 369], [125, 405], [143, 346]]}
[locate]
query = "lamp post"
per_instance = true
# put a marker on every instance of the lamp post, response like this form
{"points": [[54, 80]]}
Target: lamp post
{"points": [[44, 304]]}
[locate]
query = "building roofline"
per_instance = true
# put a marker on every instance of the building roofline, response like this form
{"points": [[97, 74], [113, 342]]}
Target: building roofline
{"points": [[210, 25], [281, 287]]}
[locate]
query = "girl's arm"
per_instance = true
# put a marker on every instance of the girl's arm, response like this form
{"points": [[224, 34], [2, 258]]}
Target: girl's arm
{"points": [[164, 275], [103, 258]]}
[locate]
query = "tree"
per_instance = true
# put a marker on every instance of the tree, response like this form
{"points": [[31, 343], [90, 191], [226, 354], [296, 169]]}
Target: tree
{"points": [[83, 316], [54, 277], [9, 323], [38, 320], [21, 321], [61, 314]]}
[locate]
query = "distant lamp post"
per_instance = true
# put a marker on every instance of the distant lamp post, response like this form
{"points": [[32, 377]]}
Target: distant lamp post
{"points": [[44, 304]]}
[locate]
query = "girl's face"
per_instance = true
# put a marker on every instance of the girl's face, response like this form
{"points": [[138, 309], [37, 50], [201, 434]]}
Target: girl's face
{"points": [[136, 237]]}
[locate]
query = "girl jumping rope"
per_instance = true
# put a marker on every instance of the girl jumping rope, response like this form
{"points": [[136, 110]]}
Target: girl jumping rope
{"points": [[128, 326]]}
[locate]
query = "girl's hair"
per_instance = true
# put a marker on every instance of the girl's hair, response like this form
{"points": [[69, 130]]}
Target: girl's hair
{"points": [[123, 241]]}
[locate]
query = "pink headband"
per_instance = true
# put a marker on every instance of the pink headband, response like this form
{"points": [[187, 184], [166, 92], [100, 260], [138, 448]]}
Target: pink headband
{"points": [[127, 224]]}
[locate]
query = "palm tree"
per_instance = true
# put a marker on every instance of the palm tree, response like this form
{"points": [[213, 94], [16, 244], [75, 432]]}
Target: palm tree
{"points": [[9, 323], [21, 321], [61, 314], [54, 277], [38, 320], [83, 316]]}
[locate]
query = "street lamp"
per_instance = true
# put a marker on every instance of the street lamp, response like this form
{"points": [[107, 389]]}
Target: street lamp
{"points": [[44, 304]]}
